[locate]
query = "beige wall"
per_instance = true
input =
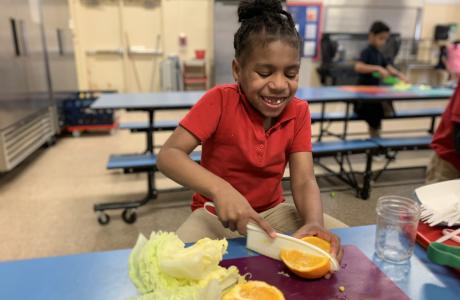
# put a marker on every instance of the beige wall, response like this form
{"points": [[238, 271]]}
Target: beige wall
{"points": [[117, 24], [435, 14], [113, 23], [439, 14]]}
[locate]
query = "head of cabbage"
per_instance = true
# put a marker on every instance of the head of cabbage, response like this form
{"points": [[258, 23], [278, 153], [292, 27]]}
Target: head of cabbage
{"points": [[163, 268]]}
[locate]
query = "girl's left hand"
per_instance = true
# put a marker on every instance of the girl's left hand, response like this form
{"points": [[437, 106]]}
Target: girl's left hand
{"points": [[319, 231]]}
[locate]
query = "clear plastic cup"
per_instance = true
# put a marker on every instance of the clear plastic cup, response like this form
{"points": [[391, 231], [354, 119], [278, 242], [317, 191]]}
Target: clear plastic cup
{"points": [[397, 220]]}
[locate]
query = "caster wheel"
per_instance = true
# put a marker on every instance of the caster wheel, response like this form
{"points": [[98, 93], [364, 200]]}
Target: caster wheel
{"points": [[103, 218], [76, 133], [50, 142], [129, 216], [364, 195]]}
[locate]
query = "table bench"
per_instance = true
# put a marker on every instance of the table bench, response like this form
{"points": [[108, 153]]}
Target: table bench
{"points": [[390, 146], [330, 117], [164, 125], [152, 102], [341, 150], [133, 163]]}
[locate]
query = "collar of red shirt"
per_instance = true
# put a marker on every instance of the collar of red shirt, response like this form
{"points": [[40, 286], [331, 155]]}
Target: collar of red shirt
{"points": [[288, 113]]}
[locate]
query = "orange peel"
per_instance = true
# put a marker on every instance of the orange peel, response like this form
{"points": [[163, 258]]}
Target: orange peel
{"points": [[253, 290], [307, 265]]}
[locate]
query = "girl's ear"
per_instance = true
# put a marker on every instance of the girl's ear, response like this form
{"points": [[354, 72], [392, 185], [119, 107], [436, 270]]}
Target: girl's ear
{"points": [[236, 69]]}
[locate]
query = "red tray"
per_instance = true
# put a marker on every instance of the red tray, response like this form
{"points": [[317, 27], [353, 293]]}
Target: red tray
{"points": [[427, 235]]}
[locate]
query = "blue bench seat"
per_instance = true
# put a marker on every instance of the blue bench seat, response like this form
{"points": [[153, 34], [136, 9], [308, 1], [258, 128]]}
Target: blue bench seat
{"points": [[418, 113], [144, 126], [401, 114], [403, 143], [342, 146], [131, 161], [332, 116], [139, 162]]}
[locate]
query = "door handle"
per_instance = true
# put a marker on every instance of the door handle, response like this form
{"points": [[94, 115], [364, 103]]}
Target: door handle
{"points": [[14, 32], [60, 41]]}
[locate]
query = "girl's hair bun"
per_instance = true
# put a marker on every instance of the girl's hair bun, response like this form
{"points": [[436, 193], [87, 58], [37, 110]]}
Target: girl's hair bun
{"points": [[248, 9]]}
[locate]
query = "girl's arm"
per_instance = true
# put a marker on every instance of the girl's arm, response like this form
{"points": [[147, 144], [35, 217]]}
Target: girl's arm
{"points": [[174, 162], [233, 210], [305, 192]]}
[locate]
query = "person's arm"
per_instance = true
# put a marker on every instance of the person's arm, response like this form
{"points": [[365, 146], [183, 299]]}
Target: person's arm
{"points": [[395, 72], [305, 190], [364, 68], [306, 195], [233, 210], [457, 137]]}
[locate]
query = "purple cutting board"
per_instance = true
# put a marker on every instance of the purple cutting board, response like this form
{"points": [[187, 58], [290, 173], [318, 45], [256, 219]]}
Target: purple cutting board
{"points": [[360, 277]]}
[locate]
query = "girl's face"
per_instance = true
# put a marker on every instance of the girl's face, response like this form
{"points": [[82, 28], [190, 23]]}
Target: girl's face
{"points": [[269, 77]]}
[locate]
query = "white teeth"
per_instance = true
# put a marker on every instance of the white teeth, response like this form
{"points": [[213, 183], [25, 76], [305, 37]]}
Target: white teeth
{"points": [[274, 100]]}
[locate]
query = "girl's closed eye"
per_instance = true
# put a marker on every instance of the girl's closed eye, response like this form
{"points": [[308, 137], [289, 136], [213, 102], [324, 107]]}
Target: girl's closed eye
{"points": [[291, 72], [291, 75], [264, 74], [263, 70]]}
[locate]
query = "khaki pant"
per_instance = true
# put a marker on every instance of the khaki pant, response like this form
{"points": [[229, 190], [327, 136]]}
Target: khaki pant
{"points": [[283, 218], [440, 170]]}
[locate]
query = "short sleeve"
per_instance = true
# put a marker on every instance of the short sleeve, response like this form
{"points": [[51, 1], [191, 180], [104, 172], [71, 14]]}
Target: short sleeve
{"points": [[302, 134], [455, 116], [203, 118]]}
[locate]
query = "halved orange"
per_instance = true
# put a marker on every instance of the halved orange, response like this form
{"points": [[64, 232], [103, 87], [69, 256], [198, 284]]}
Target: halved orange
{"points": [[318, 242], [253, 290], [305, 265], [308, 265]]}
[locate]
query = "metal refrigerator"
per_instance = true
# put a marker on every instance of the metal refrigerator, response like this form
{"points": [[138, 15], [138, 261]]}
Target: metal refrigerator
{"points": [[26, 117]]}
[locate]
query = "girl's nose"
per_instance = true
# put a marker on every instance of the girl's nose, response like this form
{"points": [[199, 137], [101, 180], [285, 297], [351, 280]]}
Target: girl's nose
{"points": [[278, 83]]}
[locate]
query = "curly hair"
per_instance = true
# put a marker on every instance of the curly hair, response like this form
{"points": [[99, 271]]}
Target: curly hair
{"points": [[262, 22]]}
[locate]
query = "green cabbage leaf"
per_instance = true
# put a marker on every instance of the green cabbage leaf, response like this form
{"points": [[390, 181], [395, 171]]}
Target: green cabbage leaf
{"points": [[161, 267]]}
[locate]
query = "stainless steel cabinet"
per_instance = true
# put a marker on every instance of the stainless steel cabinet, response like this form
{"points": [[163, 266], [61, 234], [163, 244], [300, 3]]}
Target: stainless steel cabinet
{"points": [[59, 44], [26, 118]]}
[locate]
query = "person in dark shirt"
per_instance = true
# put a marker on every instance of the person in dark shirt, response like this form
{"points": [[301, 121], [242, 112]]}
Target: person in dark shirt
{"points": [[372, 68]]}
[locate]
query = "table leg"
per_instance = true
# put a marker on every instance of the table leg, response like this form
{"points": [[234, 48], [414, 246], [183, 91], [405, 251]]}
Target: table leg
{"points": [[365, 191], [150, 131], [129, 207], [345, 124], [321, 121]]}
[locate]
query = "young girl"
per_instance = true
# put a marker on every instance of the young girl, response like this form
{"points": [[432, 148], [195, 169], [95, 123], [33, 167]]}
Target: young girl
{"points": [[445, 162], [249, 131]]}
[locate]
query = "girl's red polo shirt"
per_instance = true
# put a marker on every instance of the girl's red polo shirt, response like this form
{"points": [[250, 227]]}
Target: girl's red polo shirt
{"points": [[236, 147], [443, 139]]}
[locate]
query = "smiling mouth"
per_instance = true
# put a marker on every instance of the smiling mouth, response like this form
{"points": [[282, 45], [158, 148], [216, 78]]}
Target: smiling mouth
{"points": [[274, 100]]}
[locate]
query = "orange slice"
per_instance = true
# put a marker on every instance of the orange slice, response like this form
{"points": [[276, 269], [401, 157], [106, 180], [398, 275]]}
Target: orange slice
{"points": [[305, 265], [254, 290], [316, 241], [308, 265]]}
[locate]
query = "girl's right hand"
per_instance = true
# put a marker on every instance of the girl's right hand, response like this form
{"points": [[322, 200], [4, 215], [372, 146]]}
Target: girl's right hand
{"points": [[234, 212]]}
